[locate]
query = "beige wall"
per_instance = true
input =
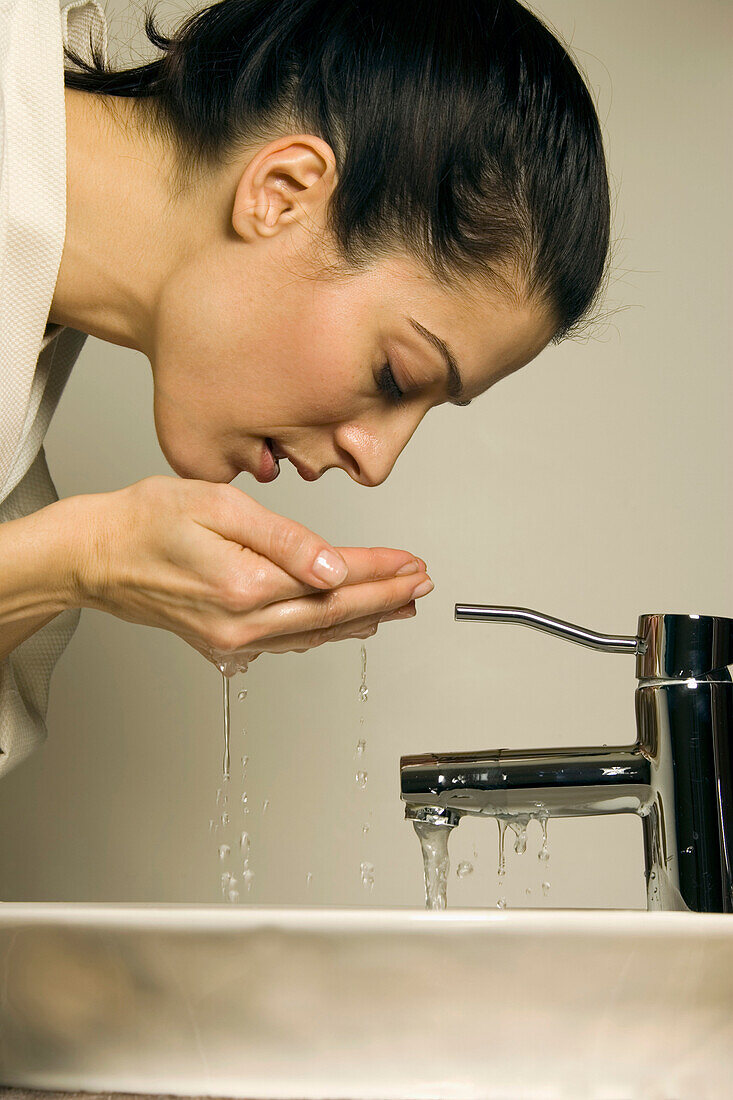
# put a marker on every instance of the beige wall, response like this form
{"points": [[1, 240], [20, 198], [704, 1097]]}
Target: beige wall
{"points": [[595, 484]]}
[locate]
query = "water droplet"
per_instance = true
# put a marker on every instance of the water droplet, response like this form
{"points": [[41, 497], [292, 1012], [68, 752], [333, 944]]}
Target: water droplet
{"points": [[225, 878], [245, 762], [242, 694], [545, 888], [501, 903], [218, 796], [308, 877], [652, 874], [367, 875], [528, 892], [475, 854], [212, 825], [690, 850], [233, 895], [363, 693], [244, 798], [365, 828], [224, 851], [361, 779], [360, 746], [265, 804], [464, 868], [244, 844], [519, 828], [247, 877], [225, 818]]}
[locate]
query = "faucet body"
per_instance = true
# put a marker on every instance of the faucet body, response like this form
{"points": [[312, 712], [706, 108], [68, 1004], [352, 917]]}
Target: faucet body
{"points": [[677, 775]]}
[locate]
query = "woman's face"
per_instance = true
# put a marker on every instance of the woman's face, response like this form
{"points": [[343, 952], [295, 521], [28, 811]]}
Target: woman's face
{"points": [[253, 353]]}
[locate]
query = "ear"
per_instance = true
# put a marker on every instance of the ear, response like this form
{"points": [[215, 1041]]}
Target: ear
{"points": [[287, 181]]}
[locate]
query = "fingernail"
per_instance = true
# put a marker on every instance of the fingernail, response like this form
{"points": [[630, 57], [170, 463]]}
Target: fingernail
{"points": [[329, 567], [423, 588], [408, 567]]}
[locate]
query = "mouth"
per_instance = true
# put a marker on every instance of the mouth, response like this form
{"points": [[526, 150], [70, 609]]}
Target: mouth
{"points": [[269, 467], [277, 451]]}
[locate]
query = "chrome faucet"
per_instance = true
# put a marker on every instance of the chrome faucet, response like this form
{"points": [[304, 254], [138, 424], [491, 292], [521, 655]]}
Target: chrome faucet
{"points": [[677, 775]]}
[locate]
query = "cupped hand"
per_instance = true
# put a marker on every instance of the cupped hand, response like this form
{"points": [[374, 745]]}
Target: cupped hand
{"points": [[233, 579]]}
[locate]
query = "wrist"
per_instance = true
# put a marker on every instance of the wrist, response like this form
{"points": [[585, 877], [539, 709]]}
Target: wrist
{"points": [[74, 552], [34, 561]]}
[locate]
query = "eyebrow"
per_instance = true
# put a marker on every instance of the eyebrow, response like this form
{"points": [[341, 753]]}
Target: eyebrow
{"points": [[455, 382]]}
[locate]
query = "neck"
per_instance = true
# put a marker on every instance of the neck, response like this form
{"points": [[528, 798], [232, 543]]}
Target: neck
{"points": [[121, 226]]}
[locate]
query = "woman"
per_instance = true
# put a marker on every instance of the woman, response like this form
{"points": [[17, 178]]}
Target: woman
{"points": [[348, 212]]}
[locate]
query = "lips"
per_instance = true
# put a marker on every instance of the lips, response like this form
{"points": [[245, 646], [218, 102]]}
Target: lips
{"points": [[269, 467], [278, 451]]}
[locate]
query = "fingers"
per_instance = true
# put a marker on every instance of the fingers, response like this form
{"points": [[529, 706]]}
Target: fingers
{"points": [[261, 582], [364, 627], [323, 610], [298, 551]]}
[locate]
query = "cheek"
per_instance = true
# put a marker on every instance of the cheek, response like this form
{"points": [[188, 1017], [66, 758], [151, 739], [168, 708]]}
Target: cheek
{"points": [[199, 349], [231, 358], [308, 364]]}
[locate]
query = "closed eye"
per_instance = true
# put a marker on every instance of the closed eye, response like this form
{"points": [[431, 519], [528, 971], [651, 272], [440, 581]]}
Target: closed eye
{"points": [[387, 385]]}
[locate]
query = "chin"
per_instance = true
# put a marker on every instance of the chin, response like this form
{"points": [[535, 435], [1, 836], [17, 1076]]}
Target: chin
{"points": [[219, 473]]}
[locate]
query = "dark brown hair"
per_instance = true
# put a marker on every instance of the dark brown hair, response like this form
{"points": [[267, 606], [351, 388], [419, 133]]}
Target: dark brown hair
{"points": [[463, 134]]}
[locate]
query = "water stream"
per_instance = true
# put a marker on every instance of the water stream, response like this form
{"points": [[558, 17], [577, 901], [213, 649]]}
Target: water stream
{"points": [[436, 862], [228, 881], [361, 776]]}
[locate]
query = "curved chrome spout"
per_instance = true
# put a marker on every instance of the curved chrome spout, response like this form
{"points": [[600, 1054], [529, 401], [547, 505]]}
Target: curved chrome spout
{"points": [[523, 616]]}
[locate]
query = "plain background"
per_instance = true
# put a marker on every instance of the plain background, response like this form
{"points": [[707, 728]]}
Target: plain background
{"points": [[595, 485]]}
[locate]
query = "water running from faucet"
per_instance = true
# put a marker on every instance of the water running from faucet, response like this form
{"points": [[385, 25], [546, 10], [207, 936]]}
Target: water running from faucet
{"points": [[436, 862]]}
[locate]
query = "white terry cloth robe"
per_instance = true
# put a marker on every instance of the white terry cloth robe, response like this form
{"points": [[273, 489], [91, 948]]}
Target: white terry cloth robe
{"points": [[35, 357]]}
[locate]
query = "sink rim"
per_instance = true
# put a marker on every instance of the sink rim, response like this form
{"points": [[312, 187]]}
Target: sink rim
{"points": [[181, 916]]}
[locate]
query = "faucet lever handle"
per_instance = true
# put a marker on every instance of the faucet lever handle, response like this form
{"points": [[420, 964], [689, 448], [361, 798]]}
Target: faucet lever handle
{"points": [[607, 643]]}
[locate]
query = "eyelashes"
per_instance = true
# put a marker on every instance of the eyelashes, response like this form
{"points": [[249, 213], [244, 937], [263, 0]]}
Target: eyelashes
{"points": [[388, 386]]}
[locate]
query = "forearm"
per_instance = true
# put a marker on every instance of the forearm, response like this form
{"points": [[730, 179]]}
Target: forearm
{"points": [[36, 573]]}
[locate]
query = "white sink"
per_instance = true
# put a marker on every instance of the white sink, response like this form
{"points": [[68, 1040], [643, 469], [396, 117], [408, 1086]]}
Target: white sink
{"points": [[379, 1004]]}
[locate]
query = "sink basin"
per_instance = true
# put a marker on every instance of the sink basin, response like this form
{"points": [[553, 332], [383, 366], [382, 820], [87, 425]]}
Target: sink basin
{"points": [[374, 1004]]}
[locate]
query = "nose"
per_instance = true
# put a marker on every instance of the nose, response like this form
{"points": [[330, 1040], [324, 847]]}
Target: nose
{"points": [[369, 455]]}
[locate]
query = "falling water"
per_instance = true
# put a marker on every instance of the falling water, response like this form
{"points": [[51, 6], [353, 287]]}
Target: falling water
{"points": [[518, 825], [229, 883], [363, 689], [226, 762], [502, 854], [361, 775], [434, 845], [367, 875], [436, 862]]}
